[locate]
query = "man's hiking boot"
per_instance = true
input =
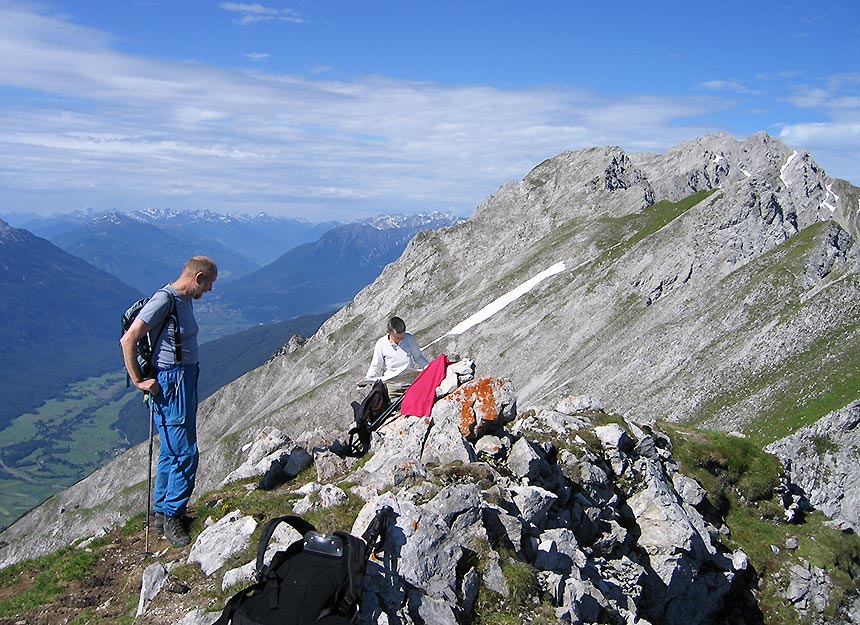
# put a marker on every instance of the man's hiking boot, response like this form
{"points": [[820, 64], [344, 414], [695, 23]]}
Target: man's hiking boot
{"points": [[174, 532], [159, 523]]}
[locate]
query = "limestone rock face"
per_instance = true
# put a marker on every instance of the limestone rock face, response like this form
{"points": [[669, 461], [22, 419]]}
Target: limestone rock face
{"points": [[627, 544]]}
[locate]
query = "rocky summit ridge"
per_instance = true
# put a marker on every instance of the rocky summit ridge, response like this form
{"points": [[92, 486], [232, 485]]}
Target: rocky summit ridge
{"points": [[716, 284], [595, 505]]}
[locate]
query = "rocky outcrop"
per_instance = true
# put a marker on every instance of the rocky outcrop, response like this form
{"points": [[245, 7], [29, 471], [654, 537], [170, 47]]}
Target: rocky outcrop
{"points": [[822, 460], [595, 507]]}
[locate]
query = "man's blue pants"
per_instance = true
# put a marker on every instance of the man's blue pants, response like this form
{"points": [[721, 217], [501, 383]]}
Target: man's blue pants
{"points": [[175, 416]]}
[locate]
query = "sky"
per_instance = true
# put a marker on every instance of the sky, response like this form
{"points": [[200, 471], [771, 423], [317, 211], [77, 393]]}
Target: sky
{"points": [[339, 109]]}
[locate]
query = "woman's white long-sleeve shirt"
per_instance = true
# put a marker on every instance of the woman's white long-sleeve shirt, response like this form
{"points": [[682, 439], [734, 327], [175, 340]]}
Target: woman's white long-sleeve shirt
{"points": [[390, 359]]}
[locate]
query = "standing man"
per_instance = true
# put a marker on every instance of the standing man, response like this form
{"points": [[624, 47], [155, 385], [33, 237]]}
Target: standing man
{"points": [[174, 389]]}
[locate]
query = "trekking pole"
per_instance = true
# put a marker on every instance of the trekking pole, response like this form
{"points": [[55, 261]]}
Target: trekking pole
{"points": [[147, 396], [385, 414]]}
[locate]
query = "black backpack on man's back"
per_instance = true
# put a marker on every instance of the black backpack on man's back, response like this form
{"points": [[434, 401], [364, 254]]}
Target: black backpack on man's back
{"points": [[146, 345], [318, 579]]}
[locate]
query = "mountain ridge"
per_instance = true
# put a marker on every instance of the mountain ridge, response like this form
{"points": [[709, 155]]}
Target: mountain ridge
{"points": [[319, 276], [78, 311]]}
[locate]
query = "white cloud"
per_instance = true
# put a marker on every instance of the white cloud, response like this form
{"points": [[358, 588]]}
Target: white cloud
{"points": [[253, 13], [732, 86], [836, 143], [823, 135]]}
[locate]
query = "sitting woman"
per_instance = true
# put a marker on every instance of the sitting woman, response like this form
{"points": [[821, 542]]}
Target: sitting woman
{"points": [[397, 359]]}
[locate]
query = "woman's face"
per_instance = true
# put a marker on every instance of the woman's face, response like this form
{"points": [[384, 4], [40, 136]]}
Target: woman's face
{"points": [[396, 337]]}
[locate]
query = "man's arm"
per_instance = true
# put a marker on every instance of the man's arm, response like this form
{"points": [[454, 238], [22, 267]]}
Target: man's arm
{"points": [[129, 340]]}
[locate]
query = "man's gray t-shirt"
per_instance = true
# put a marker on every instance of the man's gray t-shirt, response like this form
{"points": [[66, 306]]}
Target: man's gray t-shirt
{"points": [[153, 314]]}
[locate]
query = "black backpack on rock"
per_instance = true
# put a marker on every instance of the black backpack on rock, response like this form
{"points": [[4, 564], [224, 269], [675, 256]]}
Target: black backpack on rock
{"points": [[370, 413], [318, 579]]}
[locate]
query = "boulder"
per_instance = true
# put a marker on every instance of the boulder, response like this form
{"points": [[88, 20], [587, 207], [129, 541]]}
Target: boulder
{"points": [[218, 542], [479, 407]]}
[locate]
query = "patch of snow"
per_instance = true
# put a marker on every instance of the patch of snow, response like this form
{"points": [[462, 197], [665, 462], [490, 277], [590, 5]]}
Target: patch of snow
{"points": [[785, 165], [826, 202], [499, 303]]}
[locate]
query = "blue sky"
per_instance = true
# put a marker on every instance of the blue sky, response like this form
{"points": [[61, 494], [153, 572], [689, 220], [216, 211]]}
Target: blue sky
{"points": [[334, 109]]}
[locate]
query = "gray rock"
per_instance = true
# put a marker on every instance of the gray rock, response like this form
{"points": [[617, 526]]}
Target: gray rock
{"points": [[319, 498], [808, 589], [445, 442], [433, 610], [559, 552], [330, 466], [269, 446], [217, 543], [154, 578], [617, 444], [582, 601], [456, 374], [492, 447], [470, 586], [493, 577], [457, 500], [614, 437], [533, 503], [397, 454], [822, 460], [239, 576], [574, 404], [665, 526], [524, 461], [427, 553], [550, 421], [199, 617], [689, 489], [506, 530]]}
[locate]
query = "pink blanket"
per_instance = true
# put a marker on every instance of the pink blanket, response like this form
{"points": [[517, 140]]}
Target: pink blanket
{"points": [[419, 397]]}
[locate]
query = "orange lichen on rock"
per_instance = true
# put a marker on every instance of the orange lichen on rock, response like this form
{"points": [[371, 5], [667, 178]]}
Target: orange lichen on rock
{"points": [[477, 404]]}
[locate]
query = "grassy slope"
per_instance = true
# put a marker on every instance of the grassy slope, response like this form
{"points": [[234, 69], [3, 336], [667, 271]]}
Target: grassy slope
{"points": [[54, 446]]}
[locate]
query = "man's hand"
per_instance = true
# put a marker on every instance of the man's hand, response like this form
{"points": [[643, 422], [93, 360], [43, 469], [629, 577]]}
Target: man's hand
{"points": [[150, 386]]}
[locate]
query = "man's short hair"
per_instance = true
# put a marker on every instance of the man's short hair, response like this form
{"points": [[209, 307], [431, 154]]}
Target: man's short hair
{"points": [[396, 325], [201, 264]]}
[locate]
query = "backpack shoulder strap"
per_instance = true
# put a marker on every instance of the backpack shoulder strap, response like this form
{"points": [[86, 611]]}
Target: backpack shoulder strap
{"points": [[173, 313], [234, 601], [350, 596], [297, 523]]}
